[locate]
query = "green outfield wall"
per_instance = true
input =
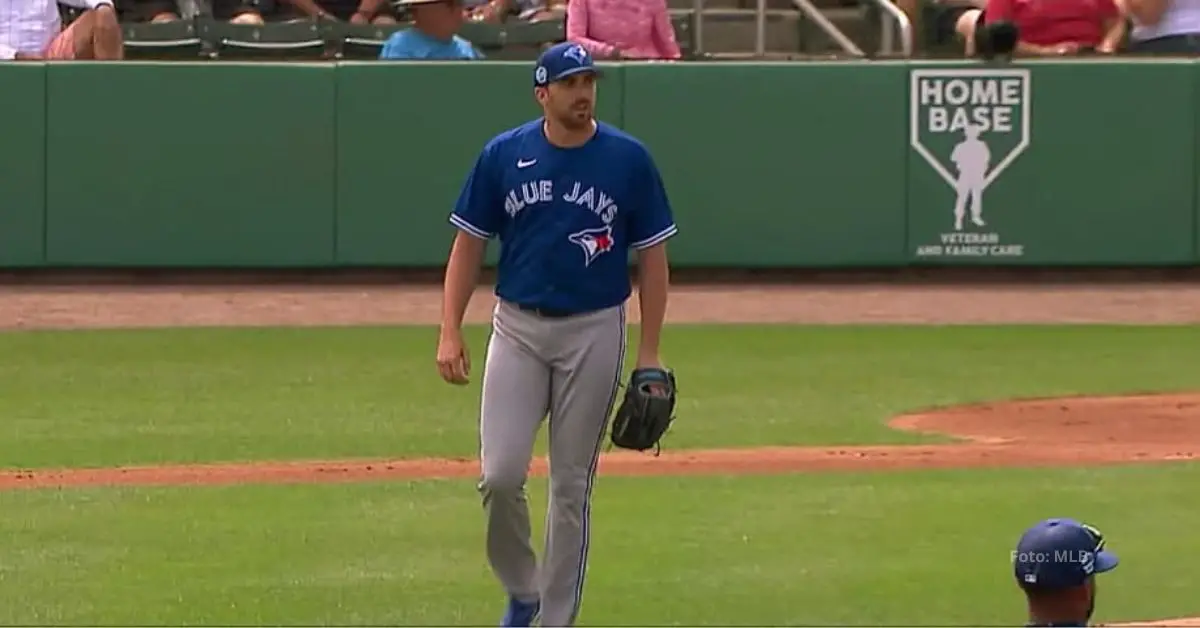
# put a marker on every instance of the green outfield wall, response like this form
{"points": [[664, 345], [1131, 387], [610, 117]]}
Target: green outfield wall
{"points": [[220, 164]]}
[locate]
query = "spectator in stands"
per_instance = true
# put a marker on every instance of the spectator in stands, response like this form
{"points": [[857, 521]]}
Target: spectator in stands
{"points": [[538, 10], [547, 10], [154, 11], [1060, 27], [954, 20], [32, 29], [238, 11], [1164, 26], [433, 34], [623, 29], [498, 11], [353, 11]]}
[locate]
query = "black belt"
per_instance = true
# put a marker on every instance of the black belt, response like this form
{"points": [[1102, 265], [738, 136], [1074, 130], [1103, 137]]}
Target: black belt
{"points": [[545, 312]]}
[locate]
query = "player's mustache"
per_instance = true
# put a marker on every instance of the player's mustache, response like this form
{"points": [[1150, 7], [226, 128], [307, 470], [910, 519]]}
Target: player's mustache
{"points": [[581, 103]]}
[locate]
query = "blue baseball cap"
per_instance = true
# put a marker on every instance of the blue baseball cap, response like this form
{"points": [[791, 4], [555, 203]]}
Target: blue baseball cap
{"points": [[1060, 553], [560, 61]]}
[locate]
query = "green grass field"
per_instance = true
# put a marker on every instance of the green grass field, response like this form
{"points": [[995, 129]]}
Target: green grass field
{"points": [[869, 548]]}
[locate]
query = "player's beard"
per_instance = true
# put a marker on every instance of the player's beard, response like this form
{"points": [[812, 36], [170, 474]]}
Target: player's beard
{"points": [[578, 117]]}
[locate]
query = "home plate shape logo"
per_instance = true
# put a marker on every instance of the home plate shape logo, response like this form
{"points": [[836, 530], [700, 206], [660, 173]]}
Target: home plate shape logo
{"points": [[969, 125]]}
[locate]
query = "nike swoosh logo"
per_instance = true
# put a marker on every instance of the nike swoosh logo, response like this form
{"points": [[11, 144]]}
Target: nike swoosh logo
{"points": [[521, 163]]}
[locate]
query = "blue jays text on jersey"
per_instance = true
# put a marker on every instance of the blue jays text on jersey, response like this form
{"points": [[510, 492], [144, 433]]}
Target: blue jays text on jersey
{"points": [[565, 217], [542, 191]]}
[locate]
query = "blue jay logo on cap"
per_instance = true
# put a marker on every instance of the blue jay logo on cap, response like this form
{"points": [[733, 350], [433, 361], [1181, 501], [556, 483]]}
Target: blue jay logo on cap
{"points": [[560, 61], [577, 54]]}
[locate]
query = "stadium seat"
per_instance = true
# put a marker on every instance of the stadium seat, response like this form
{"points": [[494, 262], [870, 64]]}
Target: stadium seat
{"points": [[514, 40], [683, 23], [360, 41], [166, 40], [295, 40]]}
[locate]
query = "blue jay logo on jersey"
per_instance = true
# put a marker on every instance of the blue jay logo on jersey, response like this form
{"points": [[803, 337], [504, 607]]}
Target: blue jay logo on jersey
{"points": [[594, 242]]}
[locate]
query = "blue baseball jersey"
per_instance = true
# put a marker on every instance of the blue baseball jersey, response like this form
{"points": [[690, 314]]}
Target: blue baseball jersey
{"points": [[566, 218]]}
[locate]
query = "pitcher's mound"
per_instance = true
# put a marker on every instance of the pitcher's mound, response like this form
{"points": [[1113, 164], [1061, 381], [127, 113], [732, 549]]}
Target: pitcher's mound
{"points": [[1145, 419], [1082, 429]]}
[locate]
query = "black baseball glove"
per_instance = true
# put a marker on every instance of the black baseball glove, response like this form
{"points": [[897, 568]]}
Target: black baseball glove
{"points": [[646, 411]]}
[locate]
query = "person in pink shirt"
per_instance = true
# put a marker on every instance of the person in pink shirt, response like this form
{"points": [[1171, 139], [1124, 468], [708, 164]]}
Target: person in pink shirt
{"points": [[626, 29]]}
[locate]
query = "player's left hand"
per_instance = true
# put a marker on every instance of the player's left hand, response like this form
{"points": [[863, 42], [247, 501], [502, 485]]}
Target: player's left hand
{"points": [[647, 409]]}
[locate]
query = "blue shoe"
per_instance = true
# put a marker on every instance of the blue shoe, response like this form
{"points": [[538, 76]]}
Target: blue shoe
{"points": [[521, 613]]}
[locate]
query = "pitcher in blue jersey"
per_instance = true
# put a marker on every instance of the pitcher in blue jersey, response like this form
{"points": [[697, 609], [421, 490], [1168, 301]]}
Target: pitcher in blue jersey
{"points": [[568, 197]]}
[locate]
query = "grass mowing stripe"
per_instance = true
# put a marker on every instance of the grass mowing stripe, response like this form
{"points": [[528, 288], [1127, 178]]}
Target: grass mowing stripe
{"points": [[911, 548]]}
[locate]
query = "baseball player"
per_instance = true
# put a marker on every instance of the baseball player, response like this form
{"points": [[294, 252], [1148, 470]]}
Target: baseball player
{"points": [[1055, 563], [568, 197]]}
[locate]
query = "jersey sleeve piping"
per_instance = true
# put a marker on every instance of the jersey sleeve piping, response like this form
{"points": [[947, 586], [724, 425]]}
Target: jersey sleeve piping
{"points": [[657, 238], [462, 223]]}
